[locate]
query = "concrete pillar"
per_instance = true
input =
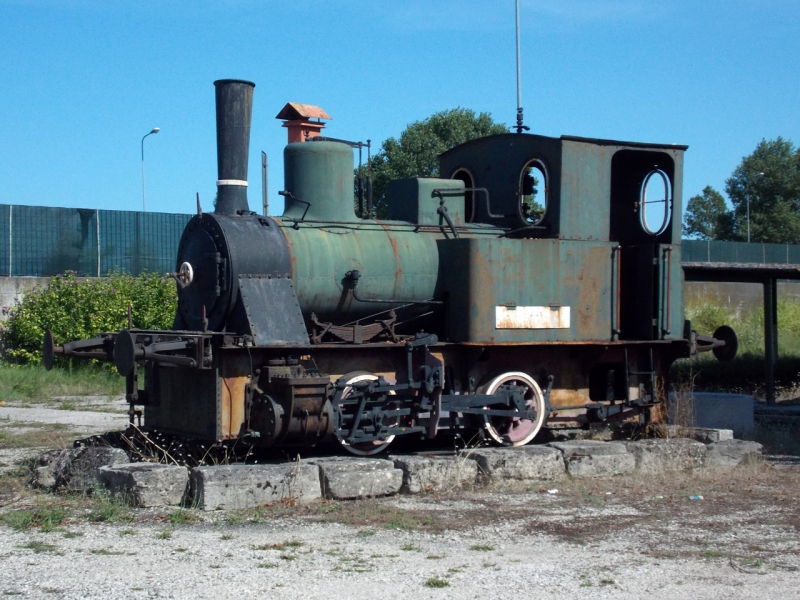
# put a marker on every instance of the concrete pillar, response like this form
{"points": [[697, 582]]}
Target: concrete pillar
{"points": [[770, 336]]}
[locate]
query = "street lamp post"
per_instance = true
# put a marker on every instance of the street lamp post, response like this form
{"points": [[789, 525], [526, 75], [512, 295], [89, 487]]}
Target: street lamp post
{"points": [[144, 198], [747, 197]]}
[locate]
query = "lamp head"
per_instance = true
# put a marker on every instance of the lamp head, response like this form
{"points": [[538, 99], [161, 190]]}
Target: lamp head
{"points": [[155, 130]]}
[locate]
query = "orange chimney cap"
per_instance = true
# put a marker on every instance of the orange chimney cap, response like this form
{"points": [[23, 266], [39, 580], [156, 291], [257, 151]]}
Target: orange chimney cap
{"points": [[295, 110]]}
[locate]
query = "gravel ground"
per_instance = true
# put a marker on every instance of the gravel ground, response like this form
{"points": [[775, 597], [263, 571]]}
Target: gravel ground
{"points": [[295, 557], [626, 537], [89, 421]]}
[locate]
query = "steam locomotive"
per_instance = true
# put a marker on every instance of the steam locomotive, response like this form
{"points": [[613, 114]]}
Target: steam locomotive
{"points": [[537, 284]]}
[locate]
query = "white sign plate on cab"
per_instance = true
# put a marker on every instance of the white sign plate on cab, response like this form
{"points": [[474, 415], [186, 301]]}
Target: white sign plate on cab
{"points": [[532, 317]]}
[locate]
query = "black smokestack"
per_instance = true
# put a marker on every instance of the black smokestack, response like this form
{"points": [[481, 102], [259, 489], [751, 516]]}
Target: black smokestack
{"points": [[234, 113]]}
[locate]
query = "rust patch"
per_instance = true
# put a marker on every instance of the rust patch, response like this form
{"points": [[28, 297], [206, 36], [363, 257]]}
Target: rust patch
{"points": [[235, 375], [232, 406], [398, 271], [292, 254], [568, 397]]}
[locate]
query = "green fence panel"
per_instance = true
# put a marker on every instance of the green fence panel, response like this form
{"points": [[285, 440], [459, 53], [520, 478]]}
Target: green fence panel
{"points": [[38, 241], [694, 250], [739, 252], [776, 253]]}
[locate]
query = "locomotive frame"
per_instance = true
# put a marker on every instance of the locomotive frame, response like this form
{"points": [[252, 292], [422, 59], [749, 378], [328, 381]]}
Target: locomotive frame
{"points": [[458, 314]]}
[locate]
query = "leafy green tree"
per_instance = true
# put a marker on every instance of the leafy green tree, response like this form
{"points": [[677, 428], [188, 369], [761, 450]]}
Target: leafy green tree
{"points": [[707, 216], [415, 153], [770, 177]]}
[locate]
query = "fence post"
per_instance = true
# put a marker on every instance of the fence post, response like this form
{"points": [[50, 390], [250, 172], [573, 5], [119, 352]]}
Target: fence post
{"points": [[770, 336], [10, 236], [97, 228]]}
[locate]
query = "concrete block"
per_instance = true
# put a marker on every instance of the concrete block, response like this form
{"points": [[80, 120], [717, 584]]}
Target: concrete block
{"points": [[435, 473], [715, 410], [76, 469], [147, 484], [732, 453], [676, 454], [525, 463], [345, 478], [231, 487], [587, 458]]}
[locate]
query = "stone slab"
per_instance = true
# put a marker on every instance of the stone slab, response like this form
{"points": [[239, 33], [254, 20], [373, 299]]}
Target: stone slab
{"points": [[677, 454], [435, 473], [595, 447], [346, 478], [708, 435], [76, 469], [587, 458], [732, 453], [525, 463], [147, 484], [233, 487]]}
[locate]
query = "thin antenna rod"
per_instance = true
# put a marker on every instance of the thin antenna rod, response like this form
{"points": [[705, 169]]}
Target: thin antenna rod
{"points": [[520, 127], [264, 200]]}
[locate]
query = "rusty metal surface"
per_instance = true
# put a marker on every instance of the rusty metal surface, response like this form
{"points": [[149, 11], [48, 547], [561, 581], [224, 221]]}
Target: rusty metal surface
{"points": [[263, 297], [187, 403], [482, 276], [296, 110]]}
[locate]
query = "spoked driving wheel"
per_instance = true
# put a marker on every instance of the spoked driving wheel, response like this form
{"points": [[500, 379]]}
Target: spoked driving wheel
{"points": [[347, 411], [515, 431]]}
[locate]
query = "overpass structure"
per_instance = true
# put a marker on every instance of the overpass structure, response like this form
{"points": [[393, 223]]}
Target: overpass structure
{"points": [[747, 263]]}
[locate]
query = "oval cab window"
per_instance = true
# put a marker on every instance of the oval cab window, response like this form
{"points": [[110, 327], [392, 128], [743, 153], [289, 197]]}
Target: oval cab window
{"points": [[533, 192], [655, 202]]}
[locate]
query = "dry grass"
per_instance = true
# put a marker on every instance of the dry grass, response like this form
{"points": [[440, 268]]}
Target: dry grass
{"points": [[35, 435]]}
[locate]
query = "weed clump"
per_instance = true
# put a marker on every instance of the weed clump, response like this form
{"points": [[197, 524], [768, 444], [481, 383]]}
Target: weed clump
{"points": [[41, 547], [46, 518], [109, 510], [181, 517], [436, 582]]}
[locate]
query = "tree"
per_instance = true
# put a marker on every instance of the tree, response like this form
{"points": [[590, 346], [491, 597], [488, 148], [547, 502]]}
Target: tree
{"points": [[416, 153], [770, 177], [707, 216]]}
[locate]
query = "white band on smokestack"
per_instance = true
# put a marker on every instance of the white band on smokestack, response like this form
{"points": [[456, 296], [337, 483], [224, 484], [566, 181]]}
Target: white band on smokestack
{"points": [[221, 182]]}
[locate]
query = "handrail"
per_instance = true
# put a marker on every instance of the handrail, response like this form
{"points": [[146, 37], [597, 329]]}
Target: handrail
{"points": [[616, 260], [666, 258]]}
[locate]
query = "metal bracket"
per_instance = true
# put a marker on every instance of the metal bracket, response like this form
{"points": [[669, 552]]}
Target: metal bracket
{"points": [[355, 333]]}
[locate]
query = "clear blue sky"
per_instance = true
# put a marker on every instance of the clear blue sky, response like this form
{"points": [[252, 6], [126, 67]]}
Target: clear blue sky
{"points": [[84, 80]]}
